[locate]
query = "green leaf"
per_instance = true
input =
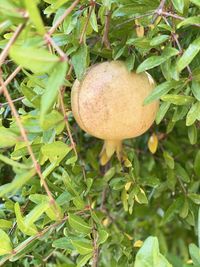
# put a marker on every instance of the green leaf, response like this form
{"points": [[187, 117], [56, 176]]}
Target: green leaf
{"points": [[181, 172], [124, 198], [179, 5], [164, 107], [18, 182], [184, 210], [13, 163], [55, 151], [38, 60], [168, 159], [55, 5], [27, 230], [196, 89], [35, 213], [93, 21], [178, 99], [83, 247], [189, 21], [161, 90], [6, 245], [193, 114], [196, 2], [130, 61], [149, 255], [54, 120], [7, 138], [150, 63], [54, 83], [63, 243], [83, 260], [195, 252], [78, 224], [192, 134], [172, 210], [140, 197], [5, 224], [154, 61], [195, 198], [197, 164], [79, 61], [189, 55], [102, 237], [159, 40], [34, 15]]}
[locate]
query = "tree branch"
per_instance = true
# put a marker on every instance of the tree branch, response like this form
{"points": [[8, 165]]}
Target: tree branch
{"points": [[9, 79], [105, 39], [67, 123], [10, 42], [60, 20], [86, 24], [25, 138]]}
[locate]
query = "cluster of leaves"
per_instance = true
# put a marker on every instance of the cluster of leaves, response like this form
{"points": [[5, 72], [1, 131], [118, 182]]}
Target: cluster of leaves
{"points": [[86, 215]]}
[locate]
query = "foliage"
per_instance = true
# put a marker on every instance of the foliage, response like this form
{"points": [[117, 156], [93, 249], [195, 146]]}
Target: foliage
{"points": [[58, 206]]}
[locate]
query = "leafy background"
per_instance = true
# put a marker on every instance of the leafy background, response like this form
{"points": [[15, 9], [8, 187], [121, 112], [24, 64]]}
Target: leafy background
{"points": [[58, 206]]}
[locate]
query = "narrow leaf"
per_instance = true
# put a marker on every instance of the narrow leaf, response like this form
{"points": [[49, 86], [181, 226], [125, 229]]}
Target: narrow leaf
{"points": [[83, 247], [37, 60], [55, 80], [161, 90], [78, 224], [6, 245], [178, 99], [189, 21], [189, 55], [18, 182], [34, 15]]}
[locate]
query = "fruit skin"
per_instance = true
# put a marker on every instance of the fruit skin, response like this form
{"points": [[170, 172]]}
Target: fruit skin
{"points": [[108, 102]]}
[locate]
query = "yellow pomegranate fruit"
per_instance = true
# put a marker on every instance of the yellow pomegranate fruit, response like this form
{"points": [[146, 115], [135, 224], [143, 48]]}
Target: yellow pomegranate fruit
{"points": [[108, 104]]}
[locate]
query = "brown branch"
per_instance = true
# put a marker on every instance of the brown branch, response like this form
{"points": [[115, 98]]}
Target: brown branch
{"points": [[96, 250], [86, 24], [159, 10], [5, 51], [12, 76], [50, 41], [179, 47], [168, 14], [67, 123], [38, 235], [136, 17], [60, 20], [25, 138], [105, 39]]}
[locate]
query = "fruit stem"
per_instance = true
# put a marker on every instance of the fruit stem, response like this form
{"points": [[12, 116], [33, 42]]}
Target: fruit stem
{"points": [[109, 148]]}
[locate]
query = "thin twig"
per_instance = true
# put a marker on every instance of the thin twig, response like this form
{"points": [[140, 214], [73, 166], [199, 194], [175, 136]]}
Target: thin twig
{"points": [[14, 100], [182, 186], [67, 123], [5, 51], [25, 138], [179, 47], [63, 56], [86, 24], [136, 17], [30, 240], [105, 39], [168, 14], [159, 10], [12, 76], [60, 20]]}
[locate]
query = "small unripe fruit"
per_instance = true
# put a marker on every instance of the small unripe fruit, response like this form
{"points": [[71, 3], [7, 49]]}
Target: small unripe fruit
{"points": [[108, 103]]}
